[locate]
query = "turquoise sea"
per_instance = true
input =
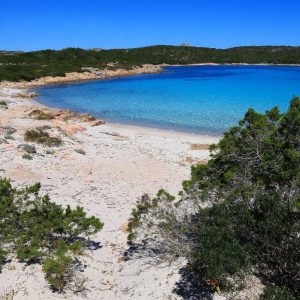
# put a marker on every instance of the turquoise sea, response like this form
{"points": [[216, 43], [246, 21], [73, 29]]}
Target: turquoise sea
{"points": [[200, 99]]}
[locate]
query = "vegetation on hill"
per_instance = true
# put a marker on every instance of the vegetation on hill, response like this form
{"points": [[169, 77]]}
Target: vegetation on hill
{"points": [[35, 230], [16, 66], [240, 213]]}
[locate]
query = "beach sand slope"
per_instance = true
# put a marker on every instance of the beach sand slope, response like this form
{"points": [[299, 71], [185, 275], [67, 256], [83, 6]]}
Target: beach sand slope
{"points": [[119, 165]]}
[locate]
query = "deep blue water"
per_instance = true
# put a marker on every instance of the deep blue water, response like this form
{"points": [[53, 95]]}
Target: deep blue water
{"points": [[201, 99]]}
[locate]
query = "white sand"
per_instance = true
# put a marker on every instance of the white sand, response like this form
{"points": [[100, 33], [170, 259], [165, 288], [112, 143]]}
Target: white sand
{"points": [[107, 182]]}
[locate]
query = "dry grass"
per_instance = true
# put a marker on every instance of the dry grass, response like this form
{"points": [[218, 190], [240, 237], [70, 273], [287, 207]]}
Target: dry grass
{"points": [[41, 115], [42, 137], [200, 146], [188, 161]]}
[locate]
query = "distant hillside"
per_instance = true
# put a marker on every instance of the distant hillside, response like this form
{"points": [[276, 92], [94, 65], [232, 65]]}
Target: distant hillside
{"points": [[29, 65], [7, 52]]}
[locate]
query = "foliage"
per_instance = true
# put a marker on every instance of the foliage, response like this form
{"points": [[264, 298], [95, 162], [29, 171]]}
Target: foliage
{"points": [[41, 115], [142, 207], [272, 292], [35, 230], [27, 156], [55, 270], [41, 137], [17, 66], [80, 151], [240, 212]]}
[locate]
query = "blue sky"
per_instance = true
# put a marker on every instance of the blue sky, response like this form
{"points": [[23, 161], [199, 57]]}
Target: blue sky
{"points": [[55, 24]]}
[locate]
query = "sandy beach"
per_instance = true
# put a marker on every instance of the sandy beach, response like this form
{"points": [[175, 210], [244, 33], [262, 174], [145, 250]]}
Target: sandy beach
{"points": [[120, 163]]}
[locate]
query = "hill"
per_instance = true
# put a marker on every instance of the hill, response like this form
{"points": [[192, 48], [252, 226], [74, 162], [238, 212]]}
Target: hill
{"points": [[30, 65]]}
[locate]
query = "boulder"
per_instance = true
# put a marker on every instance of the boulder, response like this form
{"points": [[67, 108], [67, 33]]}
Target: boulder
{"points": [[26, 95], [87, 118], [97, 123]]}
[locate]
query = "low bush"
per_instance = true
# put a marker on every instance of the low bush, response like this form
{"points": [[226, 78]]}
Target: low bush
{"points": [[27, 156], [39, 114], [30, 149], [44, 127], [3, 104], [80, 151], [42, 137], [51, 152], [35, 230], [43, 116], [272, 292], [143, 206]]}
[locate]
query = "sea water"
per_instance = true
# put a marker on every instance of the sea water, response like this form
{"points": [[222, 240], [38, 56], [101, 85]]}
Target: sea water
{"points": [[199, 99]]}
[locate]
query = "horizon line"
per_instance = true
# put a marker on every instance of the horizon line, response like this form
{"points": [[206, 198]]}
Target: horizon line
{"points": [[187, 45]]}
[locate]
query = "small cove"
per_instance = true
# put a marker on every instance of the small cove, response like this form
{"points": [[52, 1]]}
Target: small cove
{"points": [[198, 99]]}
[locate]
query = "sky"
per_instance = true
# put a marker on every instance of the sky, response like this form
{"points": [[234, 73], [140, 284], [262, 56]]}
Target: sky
{"points": [[55, 24]]}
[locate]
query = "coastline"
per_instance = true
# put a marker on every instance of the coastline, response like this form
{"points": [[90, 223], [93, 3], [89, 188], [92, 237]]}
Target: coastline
{"points": [[164, 133], [120, 163], [231, 64], [143, 128], [88, 74], [25, 87], [91, 74], [149, 128], [145, 69]]}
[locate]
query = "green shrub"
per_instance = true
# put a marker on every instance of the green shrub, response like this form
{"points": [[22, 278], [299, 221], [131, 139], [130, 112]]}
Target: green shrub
{"points": [[50, 152], [30, 149], [80, 151], [252, 220], [142, 207], [35, 230], [3, 255], [272, 292], [27, 156], [241, 211], [44, 127], [55, 269], [42, 137]]}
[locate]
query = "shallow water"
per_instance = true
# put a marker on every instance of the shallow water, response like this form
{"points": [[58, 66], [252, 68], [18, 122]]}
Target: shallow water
{"points": [[200, 99]]}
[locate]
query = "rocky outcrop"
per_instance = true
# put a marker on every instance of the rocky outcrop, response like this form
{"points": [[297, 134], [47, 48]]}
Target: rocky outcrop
{"points": [[26, 95], [87, 73], [63, 115], [97, 123]]}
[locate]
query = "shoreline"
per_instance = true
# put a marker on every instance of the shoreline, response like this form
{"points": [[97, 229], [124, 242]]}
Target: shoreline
{"points": [[88, 74], [206, 138], [31, 86], [230, 64], [91, 74], [138, 127], [151, 130], [135, 126], [145, 69], [118, 126]]}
